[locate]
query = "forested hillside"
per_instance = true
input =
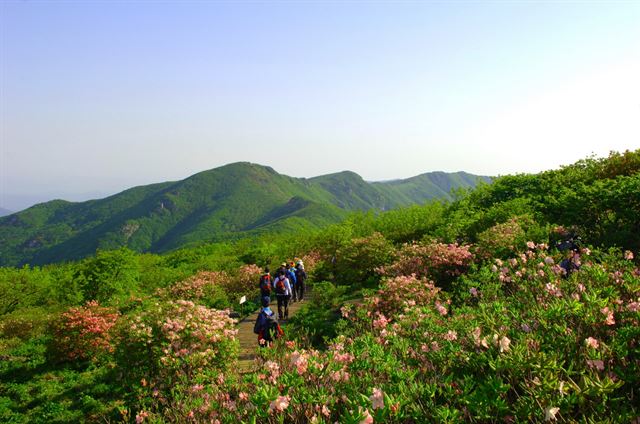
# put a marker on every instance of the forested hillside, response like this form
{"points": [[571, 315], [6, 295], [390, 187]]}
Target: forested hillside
{"points": [[225, 203], [516, 301]]}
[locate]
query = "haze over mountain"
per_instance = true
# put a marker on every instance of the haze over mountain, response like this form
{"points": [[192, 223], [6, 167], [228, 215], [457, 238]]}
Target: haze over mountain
{"points": [[223, 203], [4, 212]]}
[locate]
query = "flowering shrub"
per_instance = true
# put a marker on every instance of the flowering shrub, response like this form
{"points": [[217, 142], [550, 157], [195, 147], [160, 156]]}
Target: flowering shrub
{"points": [[357, 261], [408, 355], [242, 283], [501, 239], [176, 341], [83, 332], [398, 293], [206, 287], [310, 260], [436, 261]]}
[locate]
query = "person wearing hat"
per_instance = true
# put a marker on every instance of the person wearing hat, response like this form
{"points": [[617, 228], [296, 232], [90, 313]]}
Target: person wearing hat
{"points": [[291, 276]]}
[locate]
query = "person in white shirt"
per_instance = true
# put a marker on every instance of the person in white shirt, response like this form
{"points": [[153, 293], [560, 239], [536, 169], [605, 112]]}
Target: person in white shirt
{"points": [[283, 294]]}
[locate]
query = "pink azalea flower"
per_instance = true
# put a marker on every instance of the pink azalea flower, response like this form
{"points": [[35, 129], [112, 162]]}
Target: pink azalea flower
{"points": [[140, 416], [280, 404], [628, 255], [325, 411], [609, 320], [591, 342], [596, 363], [377, 399], [368, 419], [451, 335]]}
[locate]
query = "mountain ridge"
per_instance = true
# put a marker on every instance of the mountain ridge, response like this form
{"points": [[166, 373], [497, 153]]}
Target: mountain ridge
{"points": [[240, 198]]}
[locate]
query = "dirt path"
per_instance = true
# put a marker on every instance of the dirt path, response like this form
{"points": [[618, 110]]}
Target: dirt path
{"points": [[249, 341]]}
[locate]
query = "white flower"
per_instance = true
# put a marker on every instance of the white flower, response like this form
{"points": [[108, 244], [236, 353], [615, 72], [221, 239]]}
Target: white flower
{"points": [[550, 413]]}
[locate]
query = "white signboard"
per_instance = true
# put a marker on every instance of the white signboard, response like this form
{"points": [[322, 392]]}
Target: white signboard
{"points": [[243, 299]]}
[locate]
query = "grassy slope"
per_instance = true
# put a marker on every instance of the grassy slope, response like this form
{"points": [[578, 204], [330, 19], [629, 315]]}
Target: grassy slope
{"points": [[212, 205]]}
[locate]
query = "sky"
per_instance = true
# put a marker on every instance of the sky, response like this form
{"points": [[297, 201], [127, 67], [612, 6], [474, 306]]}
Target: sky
{"points": [[100, 96]]}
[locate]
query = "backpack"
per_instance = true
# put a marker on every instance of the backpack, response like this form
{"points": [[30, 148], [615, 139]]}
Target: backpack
{"points": [[269, 329], [280, 287], [291, 276], [265, 284], [272, 329]]}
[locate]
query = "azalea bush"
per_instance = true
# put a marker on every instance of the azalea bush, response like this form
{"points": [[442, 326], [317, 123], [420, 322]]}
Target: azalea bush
{"points": [[526, 341], [84, 332], [205, 287], [433, 260], [356, 261], [175, 342]]}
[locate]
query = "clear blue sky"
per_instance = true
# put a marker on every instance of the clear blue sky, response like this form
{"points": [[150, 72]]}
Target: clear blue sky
{"points": [[98, 96]]}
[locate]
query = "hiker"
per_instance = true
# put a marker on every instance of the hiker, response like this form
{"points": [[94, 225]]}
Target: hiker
{"points": [[266, 326], [301, 276], [570, 243], [283, 294], [265, 283], [291, 276]]}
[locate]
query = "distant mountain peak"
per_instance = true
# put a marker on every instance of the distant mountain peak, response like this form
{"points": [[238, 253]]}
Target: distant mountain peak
{"points": [[239, 198]]}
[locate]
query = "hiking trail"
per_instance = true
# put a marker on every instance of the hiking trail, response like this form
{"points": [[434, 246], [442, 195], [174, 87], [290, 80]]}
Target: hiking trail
{"points": [[249, 340]]}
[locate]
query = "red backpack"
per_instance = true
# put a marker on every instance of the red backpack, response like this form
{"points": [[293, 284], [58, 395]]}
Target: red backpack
{"points": [[265, 284], [280, 287]]}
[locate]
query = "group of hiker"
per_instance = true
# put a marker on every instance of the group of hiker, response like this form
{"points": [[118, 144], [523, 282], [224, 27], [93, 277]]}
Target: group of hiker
{"points": [[288, 286]]}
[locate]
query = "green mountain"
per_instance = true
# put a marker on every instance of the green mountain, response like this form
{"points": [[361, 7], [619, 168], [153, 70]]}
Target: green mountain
{"points": [[223, 203]]}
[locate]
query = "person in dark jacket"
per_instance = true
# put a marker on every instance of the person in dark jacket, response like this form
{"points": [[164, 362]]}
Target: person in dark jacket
{"points": [[266, 326], [301, 277], [265, 283]]}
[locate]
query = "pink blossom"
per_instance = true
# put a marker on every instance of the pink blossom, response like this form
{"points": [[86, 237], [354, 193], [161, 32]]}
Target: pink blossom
{"points": [[473, 291], [634, 306], [377, 399], [609, 320], [441, 309], [368, 419], [548, 260], [628, 255], [531, 245], [380, 322], [596, 363], [326, 411], [299, 360], [591, 342], [280, 404], [140, 416], [502, 343], [451, 335]]}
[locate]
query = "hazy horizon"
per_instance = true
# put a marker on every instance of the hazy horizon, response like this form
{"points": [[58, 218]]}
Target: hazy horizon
{"points": [[98, 97]]}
